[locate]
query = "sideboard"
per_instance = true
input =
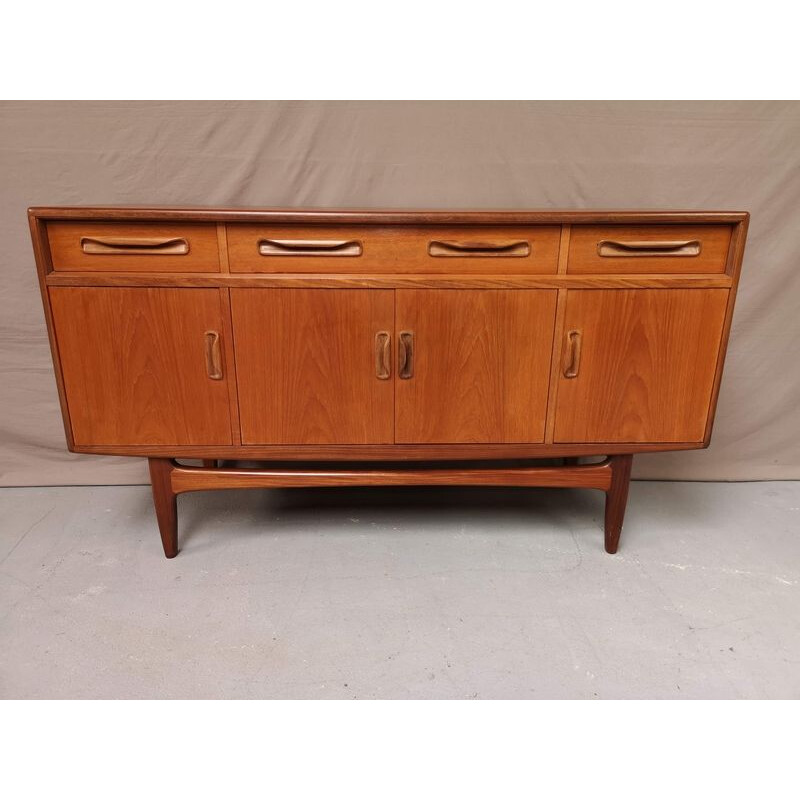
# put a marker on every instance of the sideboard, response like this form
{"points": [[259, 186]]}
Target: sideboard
{"points": [[386, 347]]}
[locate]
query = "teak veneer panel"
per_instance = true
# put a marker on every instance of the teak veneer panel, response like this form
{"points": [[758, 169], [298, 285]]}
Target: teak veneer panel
{"points": [[647, 364], [396, 249], [67, 253], [134, 365], [305, 362], [481, 365]]}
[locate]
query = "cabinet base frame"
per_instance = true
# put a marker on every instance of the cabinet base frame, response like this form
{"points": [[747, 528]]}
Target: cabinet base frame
{"points": [[169, 479]]}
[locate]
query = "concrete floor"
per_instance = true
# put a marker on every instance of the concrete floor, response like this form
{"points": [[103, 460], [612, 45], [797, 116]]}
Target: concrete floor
{"points": [[402, 593]]}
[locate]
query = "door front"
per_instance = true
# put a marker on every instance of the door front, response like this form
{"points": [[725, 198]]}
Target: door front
{"points": [[143, 366], [473, 365], [314, 365], [638, 364]]}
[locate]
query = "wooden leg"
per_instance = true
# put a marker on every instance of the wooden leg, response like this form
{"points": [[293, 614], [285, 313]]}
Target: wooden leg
{"points": [[164, 499], [617, 499]]}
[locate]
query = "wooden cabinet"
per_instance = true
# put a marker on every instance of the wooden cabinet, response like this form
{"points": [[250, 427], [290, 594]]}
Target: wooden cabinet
{"points": [[398, 347]]}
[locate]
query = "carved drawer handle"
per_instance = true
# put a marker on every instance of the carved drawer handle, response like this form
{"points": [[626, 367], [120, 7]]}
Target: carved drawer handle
{"points": [[213, 356], [119, 246], [572, 354], [608, 248], [309, 247], [383, 358], [479, 249], [405, 355]]}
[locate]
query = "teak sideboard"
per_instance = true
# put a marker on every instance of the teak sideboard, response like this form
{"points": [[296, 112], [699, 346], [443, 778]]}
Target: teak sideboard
{"points": [[366, 347]]}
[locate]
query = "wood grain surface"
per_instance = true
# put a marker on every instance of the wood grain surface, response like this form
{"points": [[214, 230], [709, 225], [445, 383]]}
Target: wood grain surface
{"points": [[134, 366], [306, 366], [343, 280], [482, 365], [647, 364]]}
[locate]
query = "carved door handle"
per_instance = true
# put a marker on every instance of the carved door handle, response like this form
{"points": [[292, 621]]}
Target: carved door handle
{"points": [[572, 354], [383, 357], [213, 356], [405, 355]]}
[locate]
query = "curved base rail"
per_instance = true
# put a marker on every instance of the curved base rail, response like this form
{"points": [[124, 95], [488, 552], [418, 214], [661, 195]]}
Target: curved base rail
{"points": [[169, 479]]}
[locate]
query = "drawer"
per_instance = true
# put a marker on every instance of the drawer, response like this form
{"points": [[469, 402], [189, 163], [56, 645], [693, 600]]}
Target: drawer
{"points": [[648, 249], [455, 249], [133, 247]]}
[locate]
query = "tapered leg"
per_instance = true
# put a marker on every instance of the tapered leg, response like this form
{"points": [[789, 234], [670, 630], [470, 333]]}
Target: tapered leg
{"points": [[617, 499], [165, 502]]}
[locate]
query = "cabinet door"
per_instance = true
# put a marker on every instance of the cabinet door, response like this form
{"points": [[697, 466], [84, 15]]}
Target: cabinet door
{"points": [[480, 361], [306, 365], [136, 365], [643, 362]]}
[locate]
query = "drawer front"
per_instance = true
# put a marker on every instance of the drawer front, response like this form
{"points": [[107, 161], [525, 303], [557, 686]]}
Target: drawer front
{"points": [[133, 247], [648, 249], [451, 249]]}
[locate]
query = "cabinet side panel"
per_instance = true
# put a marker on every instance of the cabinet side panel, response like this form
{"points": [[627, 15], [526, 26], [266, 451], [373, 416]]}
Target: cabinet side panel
{"points": [[734, 268], [41, 251]]}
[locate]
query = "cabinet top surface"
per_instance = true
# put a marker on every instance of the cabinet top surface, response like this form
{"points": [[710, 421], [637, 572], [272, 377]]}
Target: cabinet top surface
{"points": [[383, 216]]}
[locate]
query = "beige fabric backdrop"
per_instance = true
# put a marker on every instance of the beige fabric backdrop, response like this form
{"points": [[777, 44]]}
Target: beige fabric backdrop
{"points": [[707, 155]]}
